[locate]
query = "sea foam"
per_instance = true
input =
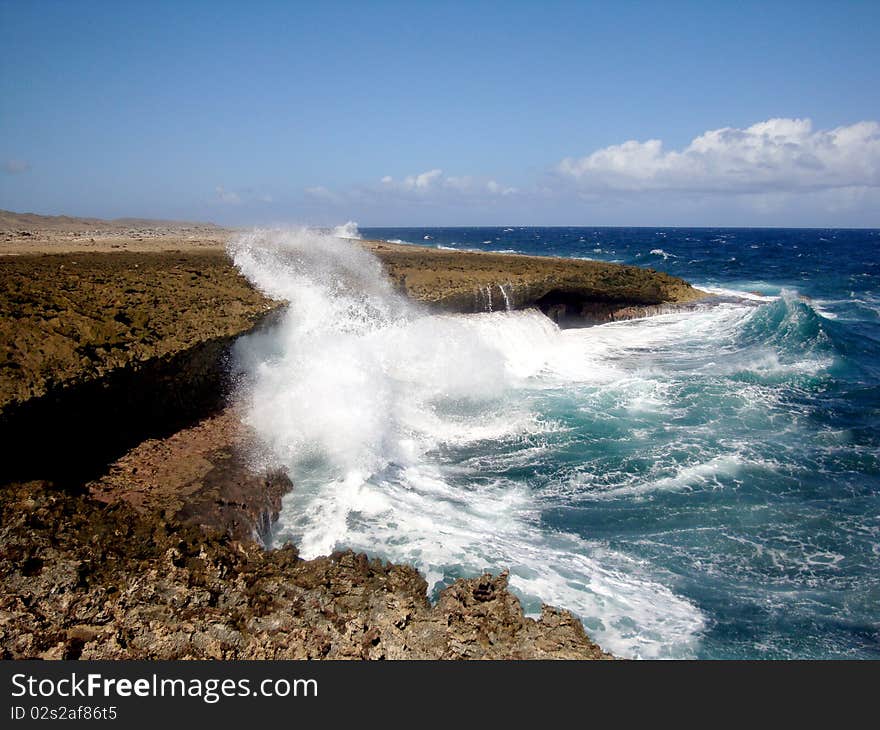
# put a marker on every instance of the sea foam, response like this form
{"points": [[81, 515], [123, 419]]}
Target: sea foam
{"points": [[372, 403]]}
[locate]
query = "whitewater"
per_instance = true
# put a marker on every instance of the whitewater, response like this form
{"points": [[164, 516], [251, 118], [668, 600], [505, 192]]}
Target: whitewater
{"points": [[636, 473]]}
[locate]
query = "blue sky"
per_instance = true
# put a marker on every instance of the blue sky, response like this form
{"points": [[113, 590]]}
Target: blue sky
{"points": [[417, 113]]}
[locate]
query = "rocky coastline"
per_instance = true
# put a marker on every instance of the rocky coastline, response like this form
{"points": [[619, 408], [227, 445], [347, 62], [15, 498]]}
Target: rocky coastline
{"points": [[133, 521], [573, 293]]}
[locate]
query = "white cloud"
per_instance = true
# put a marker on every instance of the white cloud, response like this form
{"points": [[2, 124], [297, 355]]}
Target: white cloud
{"points": [[227, 196], [423, 181], [775, 172], [496, 189], [319, 192], [425, 188], [458, 183], [435, 182], [248, 196], [771, 156]]}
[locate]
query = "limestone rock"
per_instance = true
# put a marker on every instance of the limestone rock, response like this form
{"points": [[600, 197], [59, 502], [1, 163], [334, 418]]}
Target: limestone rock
{"points": [[85, 579]]}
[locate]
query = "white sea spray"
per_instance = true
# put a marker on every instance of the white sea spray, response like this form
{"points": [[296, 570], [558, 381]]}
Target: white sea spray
{"points": [[361, 394]]}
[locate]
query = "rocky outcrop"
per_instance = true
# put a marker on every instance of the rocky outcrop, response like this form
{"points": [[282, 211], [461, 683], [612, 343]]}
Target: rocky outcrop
{"points": [[205, 475], [571, 292], [72, 318], [82, 579], [100, 351]]}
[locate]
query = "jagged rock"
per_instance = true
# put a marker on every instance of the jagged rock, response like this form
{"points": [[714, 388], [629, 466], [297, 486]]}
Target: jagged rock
{"points": [[82, 579]]}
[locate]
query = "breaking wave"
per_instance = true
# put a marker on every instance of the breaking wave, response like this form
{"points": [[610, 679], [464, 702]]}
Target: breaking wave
{"points": [[365, 397], [450, 442], [347, 230]]}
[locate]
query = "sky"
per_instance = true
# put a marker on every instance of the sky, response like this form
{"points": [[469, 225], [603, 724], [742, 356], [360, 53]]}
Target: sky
{"points": [[443, 114]]}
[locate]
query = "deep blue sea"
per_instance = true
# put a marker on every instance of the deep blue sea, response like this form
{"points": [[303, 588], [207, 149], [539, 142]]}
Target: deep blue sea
{"points": [[697, 484]]}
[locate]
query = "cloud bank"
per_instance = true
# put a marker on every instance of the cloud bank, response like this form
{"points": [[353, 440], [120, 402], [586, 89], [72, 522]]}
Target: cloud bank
{"points": [[431, 187], [774, 172], [435, 181], [246, 196], [772, 156]]}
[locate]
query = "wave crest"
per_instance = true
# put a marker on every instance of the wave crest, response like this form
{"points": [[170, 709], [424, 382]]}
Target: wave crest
{"points": [[371, 403]]}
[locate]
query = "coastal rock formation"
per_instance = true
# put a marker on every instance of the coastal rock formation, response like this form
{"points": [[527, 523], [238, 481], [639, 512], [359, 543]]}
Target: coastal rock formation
{"points": [[203, 475], [133, 522], [82, 579], [70, 318], [571, 292], [99, 351]]}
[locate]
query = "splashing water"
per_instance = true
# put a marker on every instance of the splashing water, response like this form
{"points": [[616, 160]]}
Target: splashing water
{"points": [[683, 483], [506, 297], [367, 399], [347, 230]]}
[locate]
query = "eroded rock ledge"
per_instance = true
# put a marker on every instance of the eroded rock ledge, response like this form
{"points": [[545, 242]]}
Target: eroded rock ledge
{"points": [[99, 351], [571, 292], [88, 580], [204, 475]]}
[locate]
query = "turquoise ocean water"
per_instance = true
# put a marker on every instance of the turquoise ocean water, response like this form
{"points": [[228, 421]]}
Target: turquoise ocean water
{"points": [[699, 484]]}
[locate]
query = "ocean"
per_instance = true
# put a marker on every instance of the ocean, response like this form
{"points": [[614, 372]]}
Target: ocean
{"points": [[701, 484]]}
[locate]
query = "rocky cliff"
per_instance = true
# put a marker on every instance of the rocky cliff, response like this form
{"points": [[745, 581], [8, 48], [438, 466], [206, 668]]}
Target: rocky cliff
{"points": [[99, 351], [571, 292], [132, 521]]}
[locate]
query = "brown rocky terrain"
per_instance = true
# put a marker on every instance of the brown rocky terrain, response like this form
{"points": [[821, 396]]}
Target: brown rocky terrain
{"points": [[133, 519], [28, 233], [99, 351], [571, 292], [87, 580], [202, 475], [68, 318]]}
